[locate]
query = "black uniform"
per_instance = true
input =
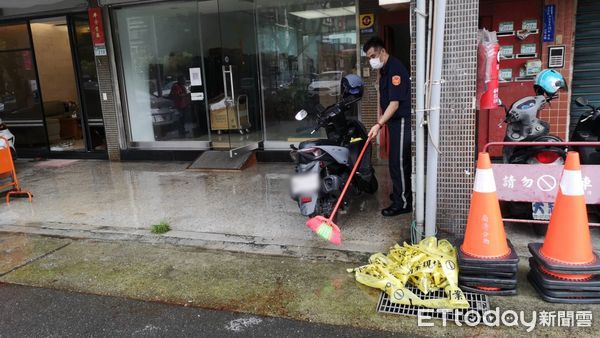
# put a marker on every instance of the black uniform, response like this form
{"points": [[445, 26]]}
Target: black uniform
{"points": [[394, 85]]}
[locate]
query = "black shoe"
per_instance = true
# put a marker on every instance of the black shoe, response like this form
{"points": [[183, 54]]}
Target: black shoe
{"points": [[394, 211], [392, 197]]}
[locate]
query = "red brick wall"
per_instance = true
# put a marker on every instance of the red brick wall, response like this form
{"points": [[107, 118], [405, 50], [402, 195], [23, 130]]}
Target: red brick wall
{"points": [[558, 113]]}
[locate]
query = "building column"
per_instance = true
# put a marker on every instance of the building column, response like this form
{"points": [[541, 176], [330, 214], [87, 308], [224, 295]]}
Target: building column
{"points": [[108, 90]]}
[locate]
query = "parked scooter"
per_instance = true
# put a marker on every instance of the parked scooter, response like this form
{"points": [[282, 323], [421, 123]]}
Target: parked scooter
{"points": [[523, 125], [323, 165], [4, 132], [588, 130]]}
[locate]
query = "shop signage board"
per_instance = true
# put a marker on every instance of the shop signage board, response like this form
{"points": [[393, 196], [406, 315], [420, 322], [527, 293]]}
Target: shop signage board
{"points": [[531, 182], [549, 23]]}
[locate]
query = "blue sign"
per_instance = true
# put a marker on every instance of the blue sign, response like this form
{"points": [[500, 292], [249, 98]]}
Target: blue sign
{"points": [[549, 23]]}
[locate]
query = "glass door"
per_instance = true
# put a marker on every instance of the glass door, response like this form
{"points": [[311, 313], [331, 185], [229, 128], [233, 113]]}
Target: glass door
{"points": [[231, 72], [89, 91], [58, 84], [68, 83], [20, 104]]}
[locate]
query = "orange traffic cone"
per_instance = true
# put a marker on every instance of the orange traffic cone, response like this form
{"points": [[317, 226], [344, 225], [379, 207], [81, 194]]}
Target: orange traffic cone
{"points": [[568, 245], [484, 236]]}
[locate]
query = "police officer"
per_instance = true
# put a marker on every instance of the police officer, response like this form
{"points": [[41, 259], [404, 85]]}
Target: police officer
{"points": [[395, 101]]}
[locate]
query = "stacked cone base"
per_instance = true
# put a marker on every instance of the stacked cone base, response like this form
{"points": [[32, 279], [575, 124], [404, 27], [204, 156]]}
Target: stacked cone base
{"points": [[486, 291], [559, 267], [492, 282], [556, 290], [550, 282], [511, 259], [498, 268], [493, 276]]}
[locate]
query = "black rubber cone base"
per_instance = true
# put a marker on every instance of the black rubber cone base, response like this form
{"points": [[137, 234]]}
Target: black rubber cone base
{"points": [[552, 296], [489, 282], [552, 283], [488, 268], [511, 258], [555, 266], [501, 292], [487, 273]]}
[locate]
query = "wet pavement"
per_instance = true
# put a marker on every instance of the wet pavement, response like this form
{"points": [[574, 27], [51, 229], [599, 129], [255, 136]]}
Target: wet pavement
{"points": [[248, 211], [315, 291]]}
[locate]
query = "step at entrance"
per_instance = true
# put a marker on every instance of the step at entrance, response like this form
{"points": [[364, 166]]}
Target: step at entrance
{"points": [[222, 161]]}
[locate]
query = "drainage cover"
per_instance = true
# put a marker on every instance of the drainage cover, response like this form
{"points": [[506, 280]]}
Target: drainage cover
{"points": [[477, 303]]}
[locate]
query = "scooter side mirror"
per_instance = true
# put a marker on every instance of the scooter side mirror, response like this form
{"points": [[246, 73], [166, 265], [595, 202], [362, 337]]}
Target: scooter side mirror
{"points": [[581, 101], [301, 115]]}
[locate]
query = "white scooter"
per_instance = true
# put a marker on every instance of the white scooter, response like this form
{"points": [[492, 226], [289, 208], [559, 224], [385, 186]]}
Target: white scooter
{"points": [[4, 132]]}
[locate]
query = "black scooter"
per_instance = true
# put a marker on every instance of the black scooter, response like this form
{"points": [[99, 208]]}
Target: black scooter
{"points": [[588, 130], [323, 165], [523, 125]]}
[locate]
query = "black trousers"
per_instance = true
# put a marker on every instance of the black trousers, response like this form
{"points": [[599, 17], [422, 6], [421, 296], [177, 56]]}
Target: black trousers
{"points": [[400, 162]]}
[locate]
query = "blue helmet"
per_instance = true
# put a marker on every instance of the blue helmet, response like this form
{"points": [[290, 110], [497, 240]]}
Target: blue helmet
{"points": [[352, 84], [548, 82]]}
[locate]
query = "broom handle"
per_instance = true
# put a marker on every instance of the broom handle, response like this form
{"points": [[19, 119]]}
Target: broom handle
{"points": [[358, 160]]}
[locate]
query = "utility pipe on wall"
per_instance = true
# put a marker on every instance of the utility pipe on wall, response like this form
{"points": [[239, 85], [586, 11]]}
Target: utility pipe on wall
{"points": [[433, 124], [420, 105]]}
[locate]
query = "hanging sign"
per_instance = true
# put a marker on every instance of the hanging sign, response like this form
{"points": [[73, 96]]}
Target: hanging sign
{"points": [[96, 27], [549, 22]]}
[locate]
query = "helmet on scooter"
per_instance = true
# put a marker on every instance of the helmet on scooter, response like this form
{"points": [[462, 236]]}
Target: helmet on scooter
{"points": [[548, 82], [352, 85]]}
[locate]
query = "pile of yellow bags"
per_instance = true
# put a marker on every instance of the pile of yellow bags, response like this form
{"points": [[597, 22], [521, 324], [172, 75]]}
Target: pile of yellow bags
{"points": [[430, 265]]}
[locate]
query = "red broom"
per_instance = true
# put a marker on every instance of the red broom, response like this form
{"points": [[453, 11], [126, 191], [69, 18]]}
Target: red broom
{"points": [[324, 227]]}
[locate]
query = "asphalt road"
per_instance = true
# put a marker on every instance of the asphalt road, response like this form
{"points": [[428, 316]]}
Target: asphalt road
{"points": [[35, 312]]}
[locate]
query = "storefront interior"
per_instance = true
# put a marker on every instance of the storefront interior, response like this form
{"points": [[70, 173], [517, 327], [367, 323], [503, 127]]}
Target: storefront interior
{"points": [[49, 95], [229, 74]]}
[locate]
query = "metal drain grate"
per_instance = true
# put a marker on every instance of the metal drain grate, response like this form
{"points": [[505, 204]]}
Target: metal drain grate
{"points": [[477, 302]]}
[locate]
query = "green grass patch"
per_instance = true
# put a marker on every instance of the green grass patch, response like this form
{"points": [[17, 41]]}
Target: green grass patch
{"points": [[161, 227]]}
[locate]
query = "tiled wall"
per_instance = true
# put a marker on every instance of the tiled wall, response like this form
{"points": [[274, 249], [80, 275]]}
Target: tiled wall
{"points": [[557, 114], [457, 116]]}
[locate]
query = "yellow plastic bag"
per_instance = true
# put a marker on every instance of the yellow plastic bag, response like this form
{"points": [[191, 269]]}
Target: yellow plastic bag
{"points": [[429, 265]]}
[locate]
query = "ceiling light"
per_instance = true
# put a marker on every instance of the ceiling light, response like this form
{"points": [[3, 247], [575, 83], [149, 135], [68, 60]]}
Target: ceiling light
{"points": [[392, 2], [325, 12]]}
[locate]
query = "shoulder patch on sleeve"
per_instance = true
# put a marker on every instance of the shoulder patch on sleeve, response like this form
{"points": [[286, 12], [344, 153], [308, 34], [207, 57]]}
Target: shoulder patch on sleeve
{"points": [[396, 80]]}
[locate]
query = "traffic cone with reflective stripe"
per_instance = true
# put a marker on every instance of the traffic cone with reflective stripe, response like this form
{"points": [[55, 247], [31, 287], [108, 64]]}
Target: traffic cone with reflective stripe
{"points": [[568, 245], [487, 260], [484, 236]]}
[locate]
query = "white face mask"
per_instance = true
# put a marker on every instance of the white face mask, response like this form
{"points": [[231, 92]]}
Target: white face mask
{"points": [[376, 63]]}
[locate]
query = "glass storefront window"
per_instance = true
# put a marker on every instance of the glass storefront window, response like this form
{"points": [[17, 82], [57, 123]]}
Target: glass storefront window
{"points": [[159, 43], [305, 48], [20, 105]]}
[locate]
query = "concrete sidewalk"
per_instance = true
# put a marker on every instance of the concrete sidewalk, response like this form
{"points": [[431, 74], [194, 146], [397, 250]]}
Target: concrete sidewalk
{"points": [[248, 211], [302, 289]]}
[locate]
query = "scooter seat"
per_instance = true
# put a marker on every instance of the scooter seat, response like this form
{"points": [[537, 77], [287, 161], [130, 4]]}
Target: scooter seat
{"points": [[314, 143]]}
